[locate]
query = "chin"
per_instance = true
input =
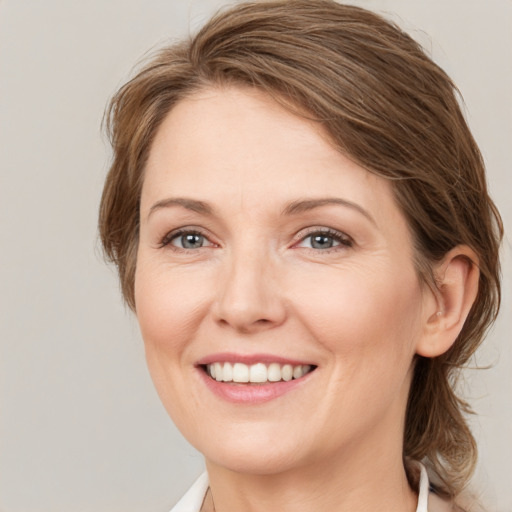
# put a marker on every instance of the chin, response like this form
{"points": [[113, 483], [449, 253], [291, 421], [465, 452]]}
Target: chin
{"points": [[250, 452], [255, 461]]}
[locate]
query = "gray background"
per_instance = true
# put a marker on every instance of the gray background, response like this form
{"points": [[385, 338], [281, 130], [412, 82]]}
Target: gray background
{"points": [[81, 428]]}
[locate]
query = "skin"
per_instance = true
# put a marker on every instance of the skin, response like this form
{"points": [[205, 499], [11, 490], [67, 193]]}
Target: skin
{"points": [[357, 311]]}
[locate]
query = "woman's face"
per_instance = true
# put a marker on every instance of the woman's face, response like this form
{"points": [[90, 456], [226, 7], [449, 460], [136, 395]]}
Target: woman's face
{"points": [[266, 254]]}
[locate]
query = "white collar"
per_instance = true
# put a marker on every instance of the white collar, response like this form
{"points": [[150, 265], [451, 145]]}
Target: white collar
{"points": [[193, 499], [423, 490]]}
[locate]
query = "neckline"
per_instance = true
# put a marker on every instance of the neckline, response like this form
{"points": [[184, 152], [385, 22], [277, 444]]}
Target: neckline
{"points": [[194, 498]]}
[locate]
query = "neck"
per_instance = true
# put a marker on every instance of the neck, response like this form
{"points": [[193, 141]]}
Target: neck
{"points": [[345, 483]]}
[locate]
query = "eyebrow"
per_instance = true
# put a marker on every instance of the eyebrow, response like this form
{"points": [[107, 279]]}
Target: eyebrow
{"points": [[294, 208], [305, 205], [190, 204]]}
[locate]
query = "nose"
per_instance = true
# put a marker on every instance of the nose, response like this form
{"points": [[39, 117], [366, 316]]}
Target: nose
{"points": [[249, 298]]}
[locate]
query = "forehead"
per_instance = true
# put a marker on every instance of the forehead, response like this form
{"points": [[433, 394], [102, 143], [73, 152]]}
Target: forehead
{"points": [[236, 129], [235, 145]]}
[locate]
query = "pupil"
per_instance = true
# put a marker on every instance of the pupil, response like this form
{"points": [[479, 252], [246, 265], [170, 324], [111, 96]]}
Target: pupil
{"points": [[191, 241], [322, 242]]}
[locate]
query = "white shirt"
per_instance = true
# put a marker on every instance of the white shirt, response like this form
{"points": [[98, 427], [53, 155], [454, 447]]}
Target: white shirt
{"points": [[194, 498]]}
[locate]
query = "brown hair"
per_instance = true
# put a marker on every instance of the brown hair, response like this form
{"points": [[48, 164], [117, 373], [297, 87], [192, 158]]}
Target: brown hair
{"points": [[387, 106]]}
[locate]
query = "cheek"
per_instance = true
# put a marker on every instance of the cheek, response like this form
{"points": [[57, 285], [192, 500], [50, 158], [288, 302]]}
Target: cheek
{"points": [[168, 306], [368, 324], [360, 311]]}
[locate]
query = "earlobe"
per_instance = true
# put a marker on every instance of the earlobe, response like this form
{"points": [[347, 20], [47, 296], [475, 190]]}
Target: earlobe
{"points": [[457, 277]]}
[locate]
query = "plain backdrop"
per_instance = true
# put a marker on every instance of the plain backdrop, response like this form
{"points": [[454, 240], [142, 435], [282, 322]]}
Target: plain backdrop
{"points": [[81, 428]]}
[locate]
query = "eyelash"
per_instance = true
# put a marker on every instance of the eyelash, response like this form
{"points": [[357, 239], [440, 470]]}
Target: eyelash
{"points": [[173, 235], [344, 240]]}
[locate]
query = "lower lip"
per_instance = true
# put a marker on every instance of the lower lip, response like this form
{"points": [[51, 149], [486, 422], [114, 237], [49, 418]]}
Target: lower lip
{"points": [[251, 393]]}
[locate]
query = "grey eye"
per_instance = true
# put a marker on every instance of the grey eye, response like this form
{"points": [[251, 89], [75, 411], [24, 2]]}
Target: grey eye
{"points": [[322, 241], [189, 241], [325, 240]]}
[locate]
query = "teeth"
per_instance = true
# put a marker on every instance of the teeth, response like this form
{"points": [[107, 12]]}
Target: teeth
{"points": [[240, 372], [274, 372], [218, 371], [298, 372], [257, 373], [287, 372], [227, 372]]}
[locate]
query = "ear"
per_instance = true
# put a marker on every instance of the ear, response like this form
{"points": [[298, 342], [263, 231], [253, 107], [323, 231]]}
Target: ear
{"points": [[447, 307]]}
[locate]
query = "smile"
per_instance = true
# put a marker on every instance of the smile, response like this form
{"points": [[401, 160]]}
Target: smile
{"points": [[253, 379], [258, 373]]}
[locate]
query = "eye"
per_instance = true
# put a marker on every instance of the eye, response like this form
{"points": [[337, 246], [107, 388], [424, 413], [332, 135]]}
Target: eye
{"points": [[189, 241], [325, 240], [186, 239]]}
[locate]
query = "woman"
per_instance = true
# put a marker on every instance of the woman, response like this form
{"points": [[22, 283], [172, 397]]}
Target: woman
{"points": [[300, 220]]}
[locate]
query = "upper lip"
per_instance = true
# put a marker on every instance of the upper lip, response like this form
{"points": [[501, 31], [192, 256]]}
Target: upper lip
{"points": [[249, 359]]}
